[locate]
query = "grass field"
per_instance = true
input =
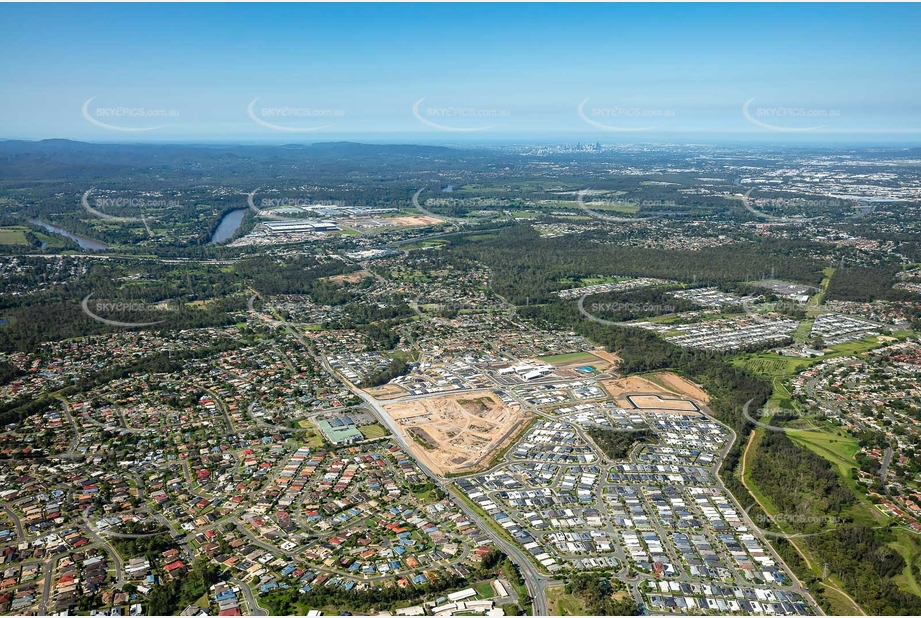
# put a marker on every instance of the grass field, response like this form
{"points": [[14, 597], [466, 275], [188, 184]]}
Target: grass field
{"points": [[574, 357], [202, 602], [561, 604], [819, 298], [373, 431], [777, 366], [424, 496], [484, 590], [311, 438], [830, 443], [14, 236], [408, 356], [801, 335]]}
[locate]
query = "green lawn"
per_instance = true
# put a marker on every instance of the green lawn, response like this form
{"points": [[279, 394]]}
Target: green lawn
{"points": [[14, 236], [408, 356], [574, 357], [777, 366], [202, 602], [908, 544], [561, 604], [311, 438], [819, 298], [375, 430], [484, 590]]}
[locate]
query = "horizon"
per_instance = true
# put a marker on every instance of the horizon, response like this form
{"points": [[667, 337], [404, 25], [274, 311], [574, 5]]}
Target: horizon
{"points": [[826, 74]]}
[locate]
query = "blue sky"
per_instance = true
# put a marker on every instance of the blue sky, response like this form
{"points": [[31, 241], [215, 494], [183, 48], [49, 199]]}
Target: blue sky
{"points": [[816, 72]]}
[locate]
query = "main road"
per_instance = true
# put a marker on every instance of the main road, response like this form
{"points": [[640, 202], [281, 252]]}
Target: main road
{"points": [[534, 580]]}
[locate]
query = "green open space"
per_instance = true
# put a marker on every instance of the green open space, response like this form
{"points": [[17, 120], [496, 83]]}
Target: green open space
{"points": [[561, 604], [484, 590], [573, 357], [908, 544], [14, 236], [375, 430], [311, 437]]}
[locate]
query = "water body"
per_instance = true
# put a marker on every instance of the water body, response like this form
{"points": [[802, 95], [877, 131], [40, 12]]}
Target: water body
{"points": [[448, 189], [87, 244], [228, 226]]}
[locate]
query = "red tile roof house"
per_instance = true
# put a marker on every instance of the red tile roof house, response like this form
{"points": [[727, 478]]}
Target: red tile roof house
{"points": [[175, 569]]}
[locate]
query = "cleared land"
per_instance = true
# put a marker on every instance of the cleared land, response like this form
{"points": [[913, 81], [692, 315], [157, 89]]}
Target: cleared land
{"points": [[655, 402], [354, 277], [682, 386], [618, 387], [458, 432], [562, 604], [386, 391], [414, 220]]}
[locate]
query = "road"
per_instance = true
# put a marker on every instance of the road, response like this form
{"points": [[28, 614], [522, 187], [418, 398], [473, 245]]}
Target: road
{"points": [[421, 209], [535, 581], [16, 522], [884, 467], [254, 609]]}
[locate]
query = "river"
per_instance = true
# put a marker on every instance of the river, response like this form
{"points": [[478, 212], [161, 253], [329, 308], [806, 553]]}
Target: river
{"points": [[87, 244], [228, 226]]}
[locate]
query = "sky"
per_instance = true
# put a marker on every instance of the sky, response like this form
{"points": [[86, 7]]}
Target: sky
{"points": [[461, 72]]}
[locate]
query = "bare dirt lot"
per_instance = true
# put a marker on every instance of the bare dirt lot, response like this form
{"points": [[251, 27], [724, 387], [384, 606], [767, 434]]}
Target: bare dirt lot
{"points": [[656, 402], [634, 384], [413, 221], [387, 391], [665, 383], [682, 386], [354, 277], [457, 432], [613, 359]]}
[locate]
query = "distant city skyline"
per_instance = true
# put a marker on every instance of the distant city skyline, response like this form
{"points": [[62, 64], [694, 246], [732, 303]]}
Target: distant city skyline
{"points": [[462, 73]]}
